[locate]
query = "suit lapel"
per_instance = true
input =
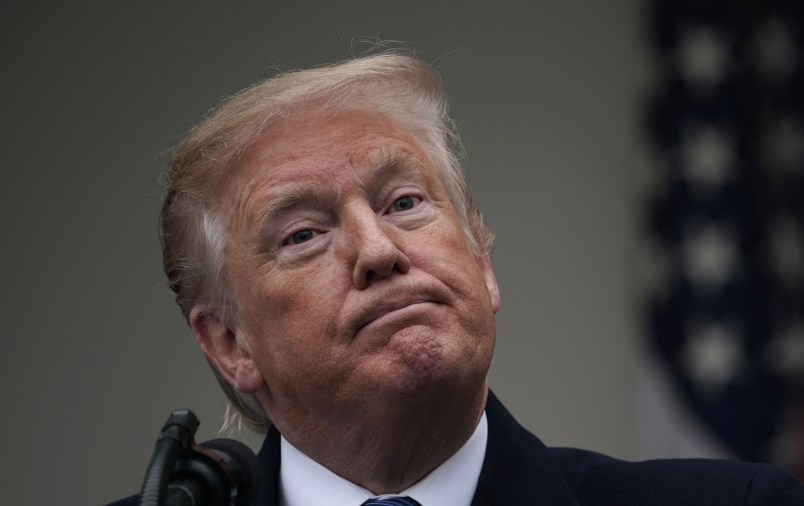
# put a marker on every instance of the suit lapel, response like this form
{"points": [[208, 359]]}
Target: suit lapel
{"points": [[270, 459], [518, 468]]}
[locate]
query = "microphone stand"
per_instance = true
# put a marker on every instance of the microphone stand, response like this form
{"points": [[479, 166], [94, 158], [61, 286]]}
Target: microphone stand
{"points": [[182, 473]]}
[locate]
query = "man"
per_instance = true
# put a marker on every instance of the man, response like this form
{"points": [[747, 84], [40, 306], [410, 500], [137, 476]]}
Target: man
{"points": [[322, 245]]}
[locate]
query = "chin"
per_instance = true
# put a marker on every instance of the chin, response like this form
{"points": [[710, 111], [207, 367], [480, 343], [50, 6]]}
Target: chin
{"points": [[424, 365]]}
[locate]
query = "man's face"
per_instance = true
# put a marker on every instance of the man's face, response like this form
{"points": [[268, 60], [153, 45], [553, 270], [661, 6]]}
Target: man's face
{"points": [[354, 280]]}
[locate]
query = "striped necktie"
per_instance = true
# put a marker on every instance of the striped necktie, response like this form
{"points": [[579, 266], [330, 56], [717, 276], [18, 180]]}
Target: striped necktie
{"points": [[391, 501]]}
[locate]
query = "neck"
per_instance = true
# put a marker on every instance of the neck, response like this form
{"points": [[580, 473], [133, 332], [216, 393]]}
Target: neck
{"points": [[388, 450]]}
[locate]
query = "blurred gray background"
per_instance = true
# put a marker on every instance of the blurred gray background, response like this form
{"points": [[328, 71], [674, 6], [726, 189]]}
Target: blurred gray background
{"points": [[95, 354]]}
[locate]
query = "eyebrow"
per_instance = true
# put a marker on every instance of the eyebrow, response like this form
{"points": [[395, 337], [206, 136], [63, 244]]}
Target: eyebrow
{"points": [[289, 196], [384, 158], [387, 163]]}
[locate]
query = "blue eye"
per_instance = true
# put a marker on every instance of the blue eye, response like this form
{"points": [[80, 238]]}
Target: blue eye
{"points": [[404, 204], [301, 236]]}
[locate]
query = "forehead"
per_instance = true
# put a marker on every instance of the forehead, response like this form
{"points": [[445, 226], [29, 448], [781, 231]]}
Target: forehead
{"points": [[326, 146]]}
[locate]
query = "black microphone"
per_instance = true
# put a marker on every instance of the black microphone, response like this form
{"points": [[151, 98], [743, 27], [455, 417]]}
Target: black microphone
{"points": [[221, 472]]}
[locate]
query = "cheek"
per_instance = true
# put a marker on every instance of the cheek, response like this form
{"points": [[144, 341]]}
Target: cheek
{"points": [[285, 296], [449, 252], [292, 318], [308, 297]]}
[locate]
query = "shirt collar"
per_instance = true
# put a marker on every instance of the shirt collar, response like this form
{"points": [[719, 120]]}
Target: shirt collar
{"points": [[303, 481]]}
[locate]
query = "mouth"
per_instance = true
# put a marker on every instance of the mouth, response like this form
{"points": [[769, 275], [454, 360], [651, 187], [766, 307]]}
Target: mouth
{"points": [[402, 308]]}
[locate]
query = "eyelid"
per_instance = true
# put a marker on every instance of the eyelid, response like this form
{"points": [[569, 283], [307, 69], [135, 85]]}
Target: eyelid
{"points": [[415, 193], [285, 235], [296, 220], [288, 237]]}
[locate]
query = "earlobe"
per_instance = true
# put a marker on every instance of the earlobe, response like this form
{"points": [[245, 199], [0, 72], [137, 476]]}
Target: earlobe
{"points": [[225, 350], [491, 280]]}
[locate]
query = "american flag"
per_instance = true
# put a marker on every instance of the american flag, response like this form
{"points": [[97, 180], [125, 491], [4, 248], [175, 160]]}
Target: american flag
{"points": [[727, 121]]}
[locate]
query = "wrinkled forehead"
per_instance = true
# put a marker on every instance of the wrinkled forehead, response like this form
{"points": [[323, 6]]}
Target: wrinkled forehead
{"points": [[326, 149]]}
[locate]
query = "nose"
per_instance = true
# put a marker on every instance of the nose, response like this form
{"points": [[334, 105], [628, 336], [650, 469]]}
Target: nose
{"points": [[375, 250]]}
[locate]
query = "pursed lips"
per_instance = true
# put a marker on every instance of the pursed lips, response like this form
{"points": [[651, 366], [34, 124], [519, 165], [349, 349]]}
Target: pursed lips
{"points": [[388, 307]]}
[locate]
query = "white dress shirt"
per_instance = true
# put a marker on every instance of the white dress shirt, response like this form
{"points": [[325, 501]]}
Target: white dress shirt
{"points": [[305, 482]]}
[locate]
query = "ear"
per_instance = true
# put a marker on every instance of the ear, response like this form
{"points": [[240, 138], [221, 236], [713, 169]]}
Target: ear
{"points": [[226, 349], [484, 262]]}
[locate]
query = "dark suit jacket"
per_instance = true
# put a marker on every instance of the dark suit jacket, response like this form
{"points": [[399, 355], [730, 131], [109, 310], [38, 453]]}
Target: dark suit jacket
{"points": [[519, 470]]}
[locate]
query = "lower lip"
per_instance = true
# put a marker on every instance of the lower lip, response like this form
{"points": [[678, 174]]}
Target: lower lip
{"points": [[412, 314]]}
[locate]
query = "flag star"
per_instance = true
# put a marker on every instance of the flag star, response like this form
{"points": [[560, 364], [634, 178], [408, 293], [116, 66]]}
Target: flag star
{"points": [[709, 256], [712, 357], [785, 352], [784, 146], [774, 48], [786, 244], [707, 157], [703, 58]]}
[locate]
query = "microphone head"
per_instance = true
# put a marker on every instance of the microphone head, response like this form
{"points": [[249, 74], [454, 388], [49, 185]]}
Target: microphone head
{"points": [[241, 465]]}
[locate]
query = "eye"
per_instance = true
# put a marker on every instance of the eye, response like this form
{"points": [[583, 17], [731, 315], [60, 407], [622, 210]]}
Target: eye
{"points": [[405, 203], [301, 236]]}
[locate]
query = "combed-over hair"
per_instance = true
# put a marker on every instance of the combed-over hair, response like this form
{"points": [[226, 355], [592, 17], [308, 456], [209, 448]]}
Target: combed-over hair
{"points": [[194, 231]]}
